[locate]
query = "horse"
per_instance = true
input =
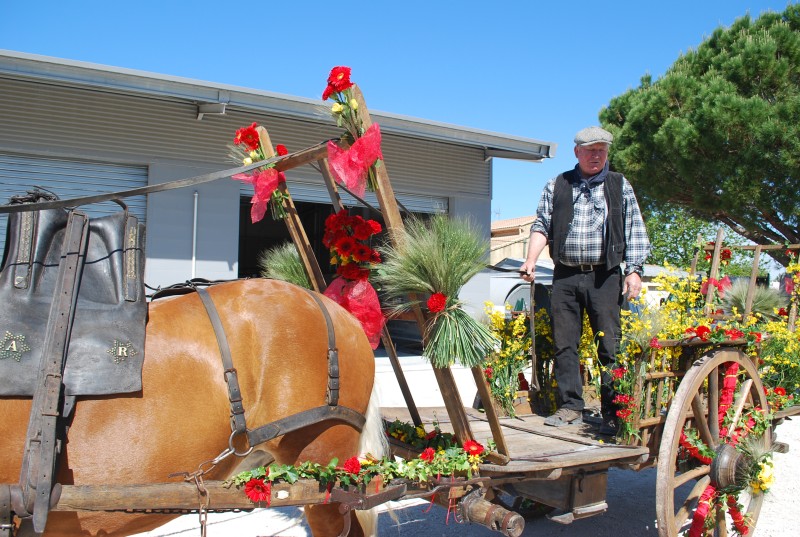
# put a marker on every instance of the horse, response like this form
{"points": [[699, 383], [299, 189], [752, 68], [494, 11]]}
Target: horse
{"points": [[181, 417]]}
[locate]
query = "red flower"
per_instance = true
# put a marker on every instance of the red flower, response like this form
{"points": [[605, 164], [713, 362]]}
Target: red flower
{"points": [[247, 136], [362, 253], [352, 271], [437, 302], [733, 333], [431, 435], [352, 465], [702, 332], [376, 226], [345, 246], [783, 313], [619, 373], [779, 390], [756, 335], [258, 490], [281, 150], [725, 254], [523, 382], [700, 514], [655, 344], [338, 80], [427, 454], [488, 372], [472, 447]]}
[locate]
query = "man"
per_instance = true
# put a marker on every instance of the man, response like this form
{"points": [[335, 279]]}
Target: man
{"points": [[590, 218]]}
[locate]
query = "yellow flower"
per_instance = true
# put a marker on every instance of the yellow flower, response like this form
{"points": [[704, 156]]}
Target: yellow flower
{"points": [[353, 104], [337, 108], [601, 333], [420, 432], [247, 161]]}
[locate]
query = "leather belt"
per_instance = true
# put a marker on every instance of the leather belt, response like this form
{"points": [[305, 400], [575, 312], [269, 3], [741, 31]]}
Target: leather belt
{"points": [[585, 268]]}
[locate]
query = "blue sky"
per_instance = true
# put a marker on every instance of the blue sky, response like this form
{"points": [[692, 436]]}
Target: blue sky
{"points": [[540, 70]]}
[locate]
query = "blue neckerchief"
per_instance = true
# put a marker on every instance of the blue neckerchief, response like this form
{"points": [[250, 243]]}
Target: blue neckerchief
{"points": [[588, 183]]}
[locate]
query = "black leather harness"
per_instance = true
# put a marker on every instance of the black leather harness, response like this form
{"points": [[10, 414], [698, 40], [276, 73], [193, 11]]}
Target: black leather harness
{"points": [[331, 411]]}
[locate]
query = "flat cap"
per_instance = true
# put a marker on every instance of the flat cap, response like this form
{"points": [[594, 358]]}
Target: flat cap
{"points": [[593, 135]]}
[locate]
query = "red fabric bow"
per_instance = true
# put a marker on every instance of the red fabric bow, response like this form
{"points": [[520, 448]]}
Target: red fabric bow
{"points": [[264, 182], [360, 299], [350, 166]]}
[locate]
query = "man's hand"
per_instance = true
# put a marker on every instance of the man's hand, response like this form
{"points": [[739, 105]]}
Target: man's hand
{"points": [[527, 271], [632, 285]]}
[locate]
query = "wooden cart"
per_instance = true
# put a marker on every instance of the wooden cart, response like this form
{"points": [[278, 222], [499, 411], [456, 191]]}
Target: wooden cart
{"points": [[565, 469]]}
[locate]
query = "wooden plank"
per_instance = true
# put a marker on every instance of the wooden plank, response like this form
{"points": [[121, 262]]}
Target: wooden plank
{"points": [[394, 227], [182, 496], [751, 289], [490, 409], [294, 225]]}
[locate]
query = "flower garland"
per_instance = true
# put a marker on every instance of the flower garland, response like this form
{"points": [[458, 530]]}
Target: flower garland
{"points": [[352, 166], [344, 237], [266, 180], [361, 471]]}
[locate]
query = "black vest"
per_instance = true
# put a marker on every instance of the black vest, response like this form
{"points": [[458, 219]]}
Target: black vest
{"points": [[561, 219]]}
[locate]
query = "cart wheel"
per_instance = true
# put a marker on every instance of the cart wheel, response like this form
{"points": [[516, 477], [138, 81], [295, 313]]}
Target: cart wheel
{"points": [[697, 458]]}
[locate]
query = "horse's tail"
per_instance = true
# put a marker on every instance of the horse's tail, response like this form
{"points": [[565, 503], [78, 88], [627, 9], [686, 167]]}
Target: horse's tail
{"points": [[372, 441]]}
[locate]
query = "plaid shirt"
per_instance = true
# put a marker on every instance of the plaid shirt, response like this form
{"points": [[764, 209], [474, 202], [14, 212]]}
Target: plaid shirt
{"points": [[585, 241]]}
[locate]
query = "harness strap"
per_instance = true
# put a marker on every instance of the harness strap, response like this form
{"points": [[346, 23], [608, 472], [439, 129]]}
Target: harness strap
{"points": [[238, 424], [304, 419], [332, 394]]}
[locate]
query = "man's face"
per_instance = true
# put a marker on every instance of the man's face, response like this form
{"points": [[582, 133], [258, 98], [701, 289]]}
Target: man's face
{"points": [[591, 158]]}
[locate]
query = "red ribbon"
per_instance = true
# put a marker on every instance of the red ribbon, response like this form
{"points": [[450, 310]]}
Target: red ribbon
{"points": [[350, 166]]}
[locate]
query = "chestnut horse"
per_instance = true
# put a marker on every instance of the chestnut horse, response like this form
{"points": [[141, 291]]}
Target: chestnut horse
{"points": [[181, 418]]}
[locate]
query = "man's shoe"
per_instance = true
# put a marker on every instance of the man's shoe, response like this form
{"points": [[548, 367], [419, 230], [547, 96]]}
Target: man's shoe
{"points": [[608, 427], [564, 416]]}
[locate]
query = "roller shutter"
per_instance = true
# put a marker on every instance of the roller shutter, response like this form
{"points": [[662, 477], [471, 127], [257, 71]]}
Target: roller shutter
{"points": [[70, 179]]}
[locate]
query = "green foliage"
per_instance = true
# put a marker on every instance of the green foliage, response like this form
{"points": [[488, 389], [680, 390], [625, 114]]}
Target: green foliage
{"points": [[439, 256], [718, 133], [283, 263], [673, 232], [766, 301]]}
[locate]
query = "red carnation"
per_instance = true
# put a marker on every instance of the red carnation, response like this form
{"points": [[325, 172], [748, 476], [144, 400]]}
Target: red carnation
{"points": [[247, 136], [437, 302], [352, 465], [375, 226], [472, 447], [427, 455], [258, 490], [281, 150], [778, 390]]}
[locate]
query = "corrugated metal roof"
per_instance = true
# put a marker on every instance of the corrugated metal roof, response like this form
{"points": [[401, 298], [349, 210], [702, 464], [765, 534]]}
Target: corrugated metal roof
{"points": [[128, 81]]}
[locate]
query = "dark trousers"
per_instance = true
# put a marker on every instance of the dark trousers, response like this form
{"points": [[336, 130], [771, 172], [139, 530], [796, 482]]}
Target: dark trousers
{"points": [[599, 293]]}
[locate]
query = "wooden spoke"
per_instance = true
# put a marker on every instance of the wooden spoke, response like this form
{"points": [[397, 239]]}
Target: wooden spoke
{"points": [[701, 421], [689, 504], [695, 409], [741, 399], [713, 402]]}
